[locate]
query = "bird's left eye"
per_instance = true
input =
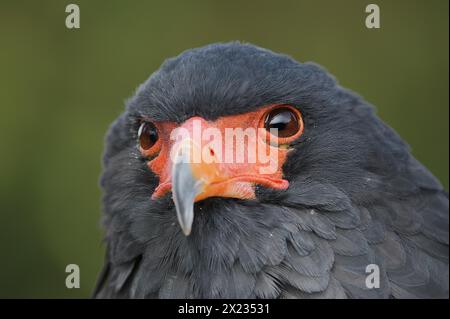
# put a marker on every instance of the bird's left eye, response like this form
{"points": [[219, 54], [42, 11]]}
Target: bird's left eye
{"points": [[285, 120], [147, 135]]}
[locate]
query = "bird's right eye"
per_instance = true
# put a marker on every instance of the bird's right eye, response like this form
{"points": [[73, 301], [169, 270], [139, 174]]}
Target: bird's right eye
{"points": [[147, 135]]}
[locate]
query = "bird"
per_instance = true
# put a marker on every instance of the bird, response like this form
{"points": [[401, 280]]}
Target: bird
{"points": [[346, 211]]}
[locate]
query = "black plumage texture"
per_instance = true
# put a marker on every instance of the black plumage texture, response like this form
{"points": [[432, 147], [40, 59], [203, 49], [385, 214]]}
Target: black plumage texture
{"points": [[356, 195]]}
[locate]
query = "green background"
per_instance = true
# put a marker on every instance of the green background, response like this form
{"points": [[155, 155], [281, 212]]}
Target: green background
{"points": [[61, 88]]}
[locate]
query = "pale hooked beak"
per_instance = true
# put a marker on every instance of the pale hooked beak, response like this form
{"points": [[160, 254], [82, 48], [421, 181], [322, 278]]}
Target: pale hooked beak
{"points": [[185, 186]]}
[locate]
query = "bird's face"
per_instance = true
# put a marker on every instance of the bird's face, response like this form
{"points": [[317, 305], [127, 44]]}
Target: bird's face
{"points": [[228, 157]]}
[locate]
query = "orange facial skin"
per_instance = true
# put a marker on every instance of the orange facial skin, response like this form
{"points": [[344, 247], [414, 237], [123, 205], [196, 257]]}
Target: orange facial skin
{"points": [[221, 177]]}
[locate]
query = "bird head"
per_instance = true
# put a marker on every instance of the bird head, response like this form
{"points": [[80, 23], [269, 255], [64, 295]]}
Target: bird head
{"points": [[303, 154]]}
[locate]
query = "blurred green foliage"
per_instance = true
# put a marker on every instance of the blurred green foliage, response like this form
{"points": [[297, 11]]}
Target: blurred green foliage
{"points": [[61, 88]]}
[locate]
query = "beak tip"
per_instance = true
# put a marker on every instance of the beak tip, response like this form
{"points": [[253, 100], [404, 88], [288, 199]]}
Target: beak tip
{"points": [[185, 219], [186, 231], [185, 216]]}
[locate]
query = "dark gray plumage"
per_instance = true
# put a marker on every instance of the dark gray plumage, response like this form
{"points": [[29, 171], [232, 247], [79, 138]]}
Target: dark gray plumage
{"points": [[356, 195]]}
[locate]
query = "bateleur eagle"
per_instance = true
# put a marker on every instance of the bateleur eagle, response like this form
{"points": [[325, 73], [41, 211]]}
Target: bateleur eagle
{"points": [[345, 193]]}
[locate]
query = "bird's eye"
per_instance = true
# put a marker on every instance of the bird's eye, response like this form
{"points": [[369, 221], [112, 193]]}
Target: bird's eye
{"points": [[147, 135], [285, 120]]}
